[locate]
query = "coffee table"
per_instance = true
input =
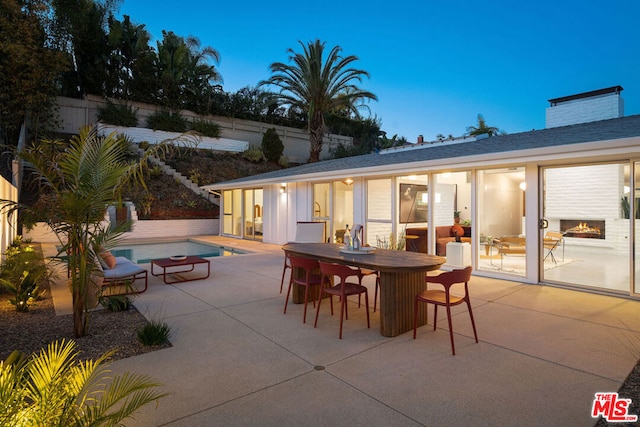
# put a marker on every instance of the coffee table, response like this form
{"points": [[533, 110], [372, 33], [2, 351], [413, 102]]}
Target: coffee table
{"points": [[168, 263]]}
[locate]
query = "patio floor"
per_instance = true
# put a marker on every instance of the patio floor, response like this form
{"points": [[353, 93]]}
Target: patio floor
{"points": [[238, 360]]}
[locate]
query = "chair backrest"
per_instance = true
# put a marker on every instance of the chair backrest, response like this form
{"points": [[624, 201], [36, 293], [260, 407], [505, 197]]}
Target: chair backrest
{"points": [[449, 278], [554, 235], [309, 232], [307, 264], [340, 270]]}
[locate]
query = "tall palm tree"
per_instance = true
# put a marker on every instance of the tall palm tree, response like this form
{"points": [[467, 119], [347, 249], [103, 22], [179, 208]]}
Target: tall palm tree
{"points": [[482, 128], [82, 181], [317, 85]]}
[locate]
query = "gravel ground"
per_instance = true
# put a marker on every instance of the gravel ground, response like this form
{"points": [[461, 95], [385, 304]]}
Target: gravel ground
{"points": [[108, 331]]}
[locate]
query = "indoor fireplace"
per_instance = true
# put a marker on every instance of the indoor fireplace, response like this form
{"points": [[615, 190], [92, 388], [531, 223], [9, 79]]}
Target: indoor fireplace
{"points": [[583, 228]]}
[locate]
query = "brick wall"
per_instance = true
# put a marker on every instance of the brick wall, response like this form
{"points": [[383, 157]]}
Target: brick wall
{"points": [[609, 106]]}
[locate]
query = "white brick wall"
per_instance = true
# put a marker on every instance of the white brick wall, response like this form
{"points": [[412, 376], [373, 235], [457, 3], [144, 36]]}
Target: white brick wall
{"points": [[603, 107], [588, 192]]}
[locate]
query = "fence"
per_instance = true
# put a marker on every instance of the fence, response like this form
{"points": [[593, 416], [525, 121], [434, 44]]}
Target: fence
{"points": [[75, 113]]}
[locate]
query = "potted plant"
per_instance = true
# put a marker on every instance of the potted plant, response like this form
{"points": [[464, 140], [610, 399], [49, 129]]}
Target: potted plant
{"points": [[456, 217]]}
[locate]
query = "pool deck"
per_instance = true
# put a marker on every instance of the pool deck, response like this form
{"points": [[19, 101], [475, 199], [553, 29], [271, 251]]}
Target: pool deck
{"points": [[237, 360]]}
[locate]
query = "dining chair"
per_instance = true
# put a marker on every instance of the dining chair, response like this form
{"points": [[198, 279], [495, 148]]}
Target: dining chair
{"points": [[342, 289], [362, 273], [307, 276], [306, 232], [443, 297]]}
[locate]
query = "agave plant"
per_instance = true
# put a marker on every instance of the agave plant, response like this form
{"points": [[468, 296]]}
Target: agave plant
{"points": [[53, 388]]}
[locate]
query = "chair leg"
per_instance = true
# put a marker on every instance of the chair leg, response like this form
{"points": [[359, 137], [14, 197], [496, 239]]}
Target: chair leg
{"points": [[284, 270], [343, 308], [318, 308], [286, 302], [415, 317], [306, 296], [375, 297], [473, 323], [435, 315], [366, 307], [453, 346]]}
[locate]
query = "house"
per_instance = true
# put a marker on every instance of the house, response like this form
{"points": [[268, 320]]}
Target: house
{"points": [[575, 179]]}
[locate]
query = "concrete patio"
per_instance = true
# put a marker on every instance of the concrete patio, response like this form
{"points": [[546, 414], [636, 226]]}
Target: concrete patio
{"points": [[238, 360]]}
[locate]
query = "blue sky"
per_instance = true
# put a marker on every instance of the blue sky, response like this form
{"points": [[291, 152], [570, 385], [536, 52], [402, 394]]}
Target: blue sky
{"points": [[434, 65]]}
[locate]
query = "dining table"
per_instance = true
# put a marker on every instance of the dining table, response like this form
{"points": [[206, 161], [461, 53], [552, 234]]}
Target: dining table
{"points": [[402, 277]]}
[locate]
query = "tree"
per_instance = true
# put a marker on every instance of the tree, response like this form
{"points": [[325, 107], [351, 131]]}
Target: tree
{"points": [[318, 85], [80, 30], [81, 181], [272, 146], [28, 68], [53, 388], [482, 128], [184, 71], [131, 68]]}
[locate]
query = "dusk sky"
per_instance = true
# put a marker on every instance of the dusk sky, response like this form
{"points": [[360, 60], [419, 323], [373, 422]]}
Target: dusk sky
{"points": [[434, 65]]}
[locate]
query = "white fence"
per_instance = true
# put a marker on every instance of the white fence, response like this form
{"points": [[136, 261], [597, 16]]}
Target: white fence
{"points": [[75, 113], [8, 225]]}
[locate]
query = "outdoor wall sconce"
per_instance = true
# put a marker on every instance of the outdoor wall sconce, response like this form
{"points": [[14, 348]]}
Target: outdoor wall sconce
{"points": [[283, 188]]}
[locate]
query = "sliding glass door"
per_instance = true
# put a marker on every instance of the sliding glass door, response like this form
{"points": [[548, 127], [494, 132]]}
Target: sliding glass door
{"points": [[588, 209]]}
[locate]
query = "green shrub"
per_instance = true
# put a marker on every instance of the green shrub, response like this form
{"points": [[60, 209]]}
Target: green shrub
{"points": [[272, 146], [206, 128], [195, 176], [284, 161], [116, 303], [23, 291], [118, 114], [167, 121], [254, 154], [22, 270], [154, 333]]}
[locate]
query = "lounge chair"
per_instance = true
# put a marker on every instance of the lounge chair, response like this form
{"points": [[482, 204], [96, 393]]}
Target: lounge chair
{"points": [[121, 278]]}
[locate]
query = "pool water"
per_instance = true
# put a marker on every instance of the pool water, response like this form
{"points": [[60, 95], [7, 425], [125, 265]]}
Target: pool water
{"points": [[144, 252]]}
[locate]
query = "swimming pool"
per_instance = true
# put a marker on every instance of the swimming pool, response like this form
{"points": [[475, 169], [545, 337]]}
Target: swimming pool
{"points": [[144, 252]]}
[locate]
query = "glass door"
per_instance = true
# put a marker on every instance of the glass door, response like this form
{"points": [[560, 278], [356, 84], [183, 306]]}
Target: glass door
{"points": [[253, 210], [502, 242], [586, 213], [632, 210]]}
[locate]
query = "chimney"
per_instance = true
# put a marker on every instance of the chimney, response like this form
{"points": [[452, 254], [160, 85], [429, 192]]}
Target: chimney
{"points": [[420, 139], [585, 107]]}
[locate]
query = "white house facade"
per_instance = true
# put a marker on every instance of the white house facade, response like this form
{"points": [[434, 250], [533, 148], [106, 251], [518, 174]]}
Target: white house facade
{"points": [[553, 206]]}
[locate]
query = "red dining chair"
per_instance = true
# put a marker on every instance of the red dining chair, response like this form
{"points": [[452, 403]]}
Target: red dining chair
{"points": [[309, 279], [362, 273], [443, 297], [342, 289], [306, 232]]}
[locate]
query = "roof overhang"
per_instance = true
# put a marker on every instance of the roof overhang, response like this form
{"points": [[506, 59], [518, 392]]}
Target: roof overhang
{"points": [[599, 151]]}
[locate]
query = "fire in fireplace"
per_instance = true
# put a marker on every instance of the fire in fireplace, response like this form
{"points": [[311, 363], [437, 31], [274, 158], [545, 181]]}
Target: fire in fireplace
{"points": [[584, 229]]}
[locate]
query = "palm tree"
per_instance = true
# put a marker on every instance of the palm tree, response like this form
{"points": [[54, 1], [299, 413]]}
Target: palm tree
{"points": [[318, 85], [53, 388], [482, 128], [82, 181], [184, 69]]}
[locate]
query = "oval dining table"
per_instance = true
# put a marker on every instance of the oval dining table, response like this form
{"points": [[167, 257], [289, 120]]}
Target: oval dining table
{"points": [[402, 277]]}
